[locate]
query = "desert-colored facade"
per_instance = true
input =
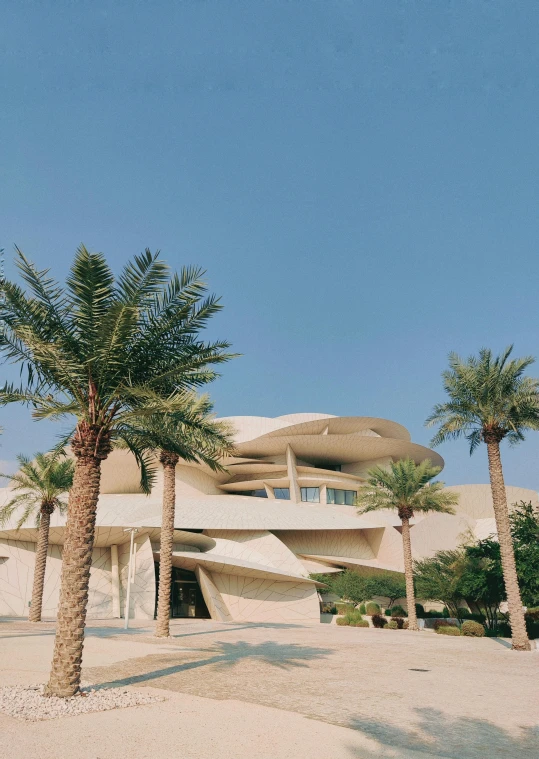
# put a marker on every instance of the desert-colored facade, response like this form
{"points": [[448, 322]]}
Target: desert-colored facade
{"points": [[246, 539]]}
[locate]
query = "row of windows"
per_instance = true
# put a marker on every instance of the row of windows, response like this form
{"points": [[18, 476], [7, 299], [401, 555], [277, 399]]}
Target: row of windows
{"points": [[341, 497], [309, 495]]}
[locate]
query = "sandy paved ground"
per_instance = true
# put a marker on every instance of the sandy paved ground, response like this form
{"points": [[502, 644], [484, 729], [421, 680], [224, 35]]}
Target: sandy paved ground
{"points": [[284, 691]]}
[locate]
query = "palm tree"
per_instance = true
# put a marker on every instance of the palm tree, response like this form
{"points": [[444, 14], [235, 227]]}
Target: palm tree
{"points": [[406, 487], [38, 486], [105, 351], [198, 437], [490, 399]]}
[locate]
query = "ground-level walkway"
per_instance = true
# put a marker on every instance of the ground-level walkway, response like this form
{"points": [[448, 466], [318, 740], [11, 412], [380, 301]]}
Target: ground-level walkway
{"points": [[283, 691]]}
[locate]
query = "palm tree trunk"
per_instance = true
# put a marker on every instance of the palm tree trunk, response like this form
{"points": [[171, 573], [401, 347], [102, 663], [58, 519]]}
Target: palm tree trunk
{"points": [[169, 461], [409, 574], [64, 679], [41, 562], [499, 500]]}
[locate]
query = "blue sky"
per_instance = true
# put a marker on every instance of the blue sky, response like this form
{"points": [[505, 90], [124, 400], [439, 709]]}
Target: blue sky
{"points": [[359, 179]]}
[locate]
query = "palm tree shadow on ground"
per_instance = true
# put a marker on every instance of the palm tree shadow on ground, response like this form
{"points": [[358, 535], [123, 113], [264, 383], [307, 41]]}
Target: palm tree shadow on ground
{"points": [[442, 735], [225, 655]]}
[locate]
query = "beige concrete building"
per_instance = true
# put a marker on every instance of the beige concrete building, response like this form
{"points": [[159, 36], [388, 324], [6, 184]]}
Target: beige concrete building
{"points": [[247, 539]]}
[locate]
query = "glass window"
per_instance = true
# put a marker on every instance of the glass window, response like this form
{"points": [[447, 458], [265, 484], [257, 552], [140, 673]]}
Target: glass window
{"points": [[257, 493], [311, 495], [341, 497], [282, 494]]}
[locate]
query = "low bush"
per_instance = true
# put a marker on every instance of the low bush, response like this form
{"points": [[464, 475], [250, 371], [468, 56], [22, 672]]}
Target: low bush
{"points": [[372, 608], [398, 611], [344, 608], [400, 622], [387, 612], [360, 623], [362, 609], [342, 621], [533, 612], [443, 623], [378, 620], [445, 612], [448, 630], [472, 629], [419, 611], [463, 613], [405, 624], [392, 624], [353, 616]]}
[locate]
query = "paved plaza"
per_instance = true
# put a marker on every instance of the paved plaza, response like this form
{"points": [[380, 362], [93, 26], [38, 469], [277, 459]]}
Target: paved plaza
{"points": [[283, 691]]}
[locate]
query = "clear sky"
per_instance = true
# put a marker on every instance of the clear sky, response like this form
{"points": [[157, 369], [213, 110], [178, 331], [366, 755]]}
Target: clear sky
{"points": [[359, 179]]}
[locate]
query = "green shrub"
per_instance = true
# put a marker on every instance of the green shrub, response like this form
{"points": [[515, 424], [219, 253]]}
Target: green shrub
{"points": [[419, 611], [443, 623], [360, 623], [344, 608], [445, 612], [392, 625], [362, 609], [473, 629], [372, 608], [378, 620], [387, 613], [353, 616], [464, 613], [398, 611], [448, 630], [342, 621], [533, 613]]}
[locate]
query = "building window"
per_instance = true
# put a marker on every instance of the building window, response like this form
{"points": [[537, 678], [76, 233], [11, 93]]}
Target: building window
{"points": [[341, 497], [311, 495], [282, 494], [256, 493]]}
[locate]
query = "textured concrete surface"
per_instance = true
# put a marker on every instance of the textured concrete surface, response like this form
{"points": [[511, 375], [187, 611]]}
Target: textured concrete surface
{"points": [[264, 690]]}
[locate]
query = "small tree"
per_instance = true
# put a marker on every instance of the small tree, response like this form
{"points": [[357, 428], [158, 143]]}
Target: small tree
{"points": [[38, 486], [481, 578], [438, 579], [524, 522], [405, 486], [390, 586]]}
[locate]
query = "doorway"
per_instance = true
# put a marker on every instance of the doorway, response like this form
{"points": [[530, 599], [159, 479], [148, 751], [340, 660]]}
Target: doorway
{"points": [[186, 599]]}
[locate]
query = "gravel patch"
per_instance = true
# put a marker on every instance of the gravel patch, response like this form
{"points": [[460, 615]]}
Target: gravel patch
{"points": [[29, 704]]}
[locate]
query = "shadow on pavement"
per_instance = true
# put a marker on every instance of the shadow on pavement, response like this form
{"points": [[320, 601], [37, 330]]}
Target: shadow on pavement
{"points": [[225, 655], [438, 734]]}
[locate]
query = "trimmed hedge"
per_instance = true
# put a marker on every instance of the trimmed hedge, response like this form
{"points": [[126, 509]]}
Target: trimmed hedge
{"points": [[472, 629], [443, 623], [343, 608], [448, 630], [419, 611], [372, 608], [398, 611], [392, 625]]}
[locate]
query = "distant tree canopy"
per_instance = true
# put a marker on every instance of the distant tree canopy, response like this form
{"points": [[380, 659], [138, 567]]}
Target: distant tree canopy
{"points": [[351, 586]]}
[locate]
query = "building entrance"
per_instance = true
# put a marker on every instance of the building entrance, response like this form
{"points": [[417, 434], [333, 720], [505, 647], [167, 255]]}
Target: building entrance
{"points": [[186, 599]]}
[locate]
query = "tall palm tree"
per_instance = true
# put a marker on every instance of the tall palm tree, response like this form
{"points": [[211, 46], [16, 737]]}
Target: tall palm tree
{"points": [[38, 487], [198, 437], [490, 400], [405, 486], [105, 351]]}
